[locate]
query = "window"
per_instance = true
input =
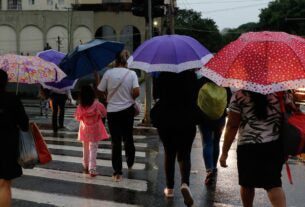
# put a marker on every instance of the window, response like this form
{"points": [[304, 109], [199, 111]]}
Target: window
{"points": [[61, 2], [50, 2], [14, 5], [31, 2]]}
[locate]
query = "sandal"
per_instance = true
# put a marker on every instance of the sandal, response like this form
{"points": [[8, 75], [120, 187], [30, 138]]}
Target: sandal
{"points": [[92, 172], [168, 192], [209, 178]]}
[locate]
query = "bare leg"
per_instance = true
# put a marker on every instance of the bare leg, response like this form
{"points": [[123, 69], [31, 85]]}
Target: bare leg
{"points": [[5, 193], [247, 196], [277, 197]]}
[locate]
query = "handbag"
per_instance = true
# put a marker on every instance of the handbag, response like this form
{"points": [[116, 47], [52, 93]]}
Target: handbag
{"points": [[137, 108], [292, 131], [44, 155], [28, 156]]}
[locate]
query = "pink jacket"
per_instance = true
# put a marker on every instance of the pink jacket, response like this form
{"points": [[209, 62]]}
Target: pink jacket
{"points": [[91, 128]]}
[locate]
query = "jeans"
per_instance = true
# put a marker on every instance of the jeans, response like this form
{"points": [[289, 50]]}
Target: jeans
{"points": [[89, 154], [210, 136], [178, 143], [58, 103], [121, 129]]}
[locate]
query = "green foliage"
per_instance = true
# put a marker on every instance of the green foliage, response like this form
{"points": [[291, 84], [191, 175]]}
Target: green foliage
{"points": [[190, 22], [281, 15]]}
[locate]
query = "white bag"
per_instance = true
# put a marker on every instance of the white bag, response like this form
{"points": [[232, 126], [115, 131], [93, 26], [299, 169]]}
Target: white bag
{"points": [[28, 156], [72, 125]]}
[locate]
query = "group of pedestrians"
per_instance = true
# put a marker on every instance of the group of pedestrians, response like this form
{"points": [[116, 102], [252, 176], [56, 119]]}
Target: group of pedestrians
{"points": [[253, 117]]}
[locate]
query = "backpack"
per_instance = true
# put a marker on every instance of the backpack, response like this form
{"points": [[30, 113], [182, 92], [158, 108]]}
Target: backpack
{"points": [[212, 100]]}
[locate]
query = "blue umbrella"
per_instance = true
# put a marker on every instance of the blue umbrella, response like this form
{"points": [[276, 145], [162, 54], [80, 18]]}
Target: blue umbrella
{"points": [[55, 57], [88, 57]]}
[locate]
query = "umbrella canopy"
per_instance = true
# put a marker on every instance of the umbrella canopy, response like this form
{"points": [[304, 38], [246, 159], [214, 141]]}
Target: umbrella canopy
{"points": [[85, 58], [172, 53], [51, 55], [263, 62], [63, 85], [55, 57], [30, 69]]}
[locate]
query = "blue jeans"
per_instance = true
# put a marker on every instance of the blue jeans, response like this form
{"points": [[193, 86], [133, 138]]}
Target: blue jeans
{"points": [[210, 136]]}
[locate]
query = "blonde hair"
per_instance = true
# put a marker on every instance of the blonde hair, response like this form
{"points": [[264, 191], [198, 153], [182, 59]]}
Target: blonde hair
{"points": [[121, 59]]}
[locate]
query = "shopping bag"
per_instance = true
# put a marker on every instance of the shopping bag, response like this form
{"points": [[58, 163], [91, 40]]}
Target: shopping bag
{"points": [[72, 125], [137, 108], [44, 155], [27, 151]]}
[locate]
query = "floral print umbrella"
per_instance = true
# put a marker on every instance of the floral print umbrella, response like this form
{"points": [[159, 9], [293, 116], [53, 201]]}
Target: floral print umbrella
{"points": [[30, 69], [263, 62]]}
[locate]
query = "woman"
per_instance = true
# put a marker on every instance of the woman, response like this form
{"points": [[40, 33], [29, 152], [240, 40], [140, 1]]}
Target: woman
{"points": [[121, 87], [12, 118], [257, 119], [174, 117]]}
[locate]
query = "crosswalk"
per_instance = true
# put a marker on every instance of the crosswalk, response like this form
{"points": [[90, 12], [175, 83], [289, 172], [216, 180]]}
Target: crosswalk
{"points": [[62, 183]]}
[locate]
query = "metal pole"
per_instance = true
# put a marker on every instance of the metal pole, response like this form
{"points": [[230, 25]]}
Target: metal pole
{"points": [[171, 17], [148, 79]]}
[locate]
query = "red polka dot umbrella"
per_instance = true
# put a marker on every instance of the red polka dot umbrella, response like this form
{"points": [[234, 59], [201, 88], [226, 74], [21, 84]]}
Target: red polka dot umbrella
{"points": [[263, 62]]}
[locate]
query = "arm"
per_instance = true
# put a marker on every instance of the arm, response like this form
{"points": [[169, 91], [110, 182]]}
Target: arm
{"points": [[135, 92], [230, 133], [102, 109]]}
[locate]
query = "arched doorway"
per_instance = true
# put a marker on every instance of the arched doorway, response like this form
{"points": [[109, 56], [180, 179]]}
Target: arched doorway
{"points": [[131, 37], [106, 32]]}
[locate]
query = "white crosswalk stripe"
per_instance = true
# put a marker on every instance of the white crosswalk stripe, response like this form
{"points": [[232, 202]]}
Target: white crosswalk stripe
{"points": [[77, 141], [63, 200], [80, 149], [131, 184]]}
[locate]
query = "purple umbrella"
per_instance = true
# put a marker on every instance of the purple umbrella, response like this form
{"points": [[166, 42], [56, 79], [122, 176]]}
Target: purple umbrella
{"points": [[51, 55], [55, 57], [172, 53], [63, 85]]}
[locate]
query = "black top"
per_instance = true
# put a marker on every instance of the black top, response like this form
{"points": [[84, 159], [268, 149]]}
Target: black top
{"points": [[177, 98], [12, 117]]}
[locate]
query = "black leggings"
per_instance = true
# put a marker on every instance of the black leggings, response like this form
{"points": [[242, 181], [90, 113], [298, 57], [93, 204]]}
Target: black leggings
{"points": [[121, 129], [177, 142]]}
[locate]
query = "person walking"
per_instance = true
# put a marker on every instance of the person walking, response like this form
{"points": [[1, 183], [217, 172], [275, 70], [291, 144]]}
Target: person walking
{"points": [[91, 130], [174, 116], [12, 118], [58, 99], [211, 131], [257, 119], [121, 87]]}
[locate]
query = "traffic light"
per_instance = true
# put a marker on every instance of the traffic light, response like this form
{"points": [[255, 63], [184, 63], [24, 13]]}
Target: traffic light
{"points": [[140, 8]]}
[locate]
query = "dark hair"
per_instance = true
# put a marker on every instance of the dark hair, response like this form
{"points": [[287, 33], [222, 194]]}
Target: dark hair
{"points": [[260, 105], [3, 79], [86, 96], [121, 58]]}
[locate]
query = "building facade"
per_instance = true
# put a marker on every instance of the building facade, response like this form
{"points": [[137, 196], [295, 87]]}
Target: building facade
{"points": [[26, 26]]}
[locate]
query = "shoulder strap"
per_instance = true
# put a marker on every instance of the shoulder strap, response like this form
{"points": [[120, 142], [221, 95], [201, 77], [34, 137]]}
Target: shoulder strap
{"points": [[116, 89]]}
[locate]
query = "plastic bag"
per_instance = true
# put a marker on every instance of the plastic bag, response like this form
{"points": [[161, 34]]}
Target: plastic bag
{"points": [[137, 108], [72, 125], [28, 156], [212, 100], [44, 155]]}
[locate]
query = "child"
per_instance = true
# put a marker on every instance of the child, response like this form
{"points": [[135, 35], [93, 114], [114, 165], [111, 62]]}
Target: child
{"points": [[44, 101], [91, 129]]}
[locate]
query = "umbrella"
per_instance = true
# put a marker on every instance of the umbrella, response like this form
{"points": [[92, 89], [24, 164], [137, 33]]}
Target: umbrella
{"points": [[63, 85], [55, 57], [172, 53], [263, 62], [30, 69], [85, 58], [51, 56]]}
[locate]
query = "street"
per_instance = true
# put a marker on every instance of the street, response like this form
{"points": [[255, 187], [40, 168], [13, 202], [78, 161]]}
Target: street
{"points": [[61, 182]]}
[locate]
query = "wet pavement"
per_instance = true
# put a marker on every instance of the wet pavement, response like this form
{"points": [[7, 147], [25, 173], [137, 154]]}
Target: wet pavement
{"points": [[61, 182]]}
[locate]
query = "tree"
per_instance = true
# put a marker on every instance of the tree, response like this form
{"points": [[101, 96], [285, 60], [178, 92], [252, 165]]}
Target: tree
{"points": [[284, 15], [190, 22]]}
